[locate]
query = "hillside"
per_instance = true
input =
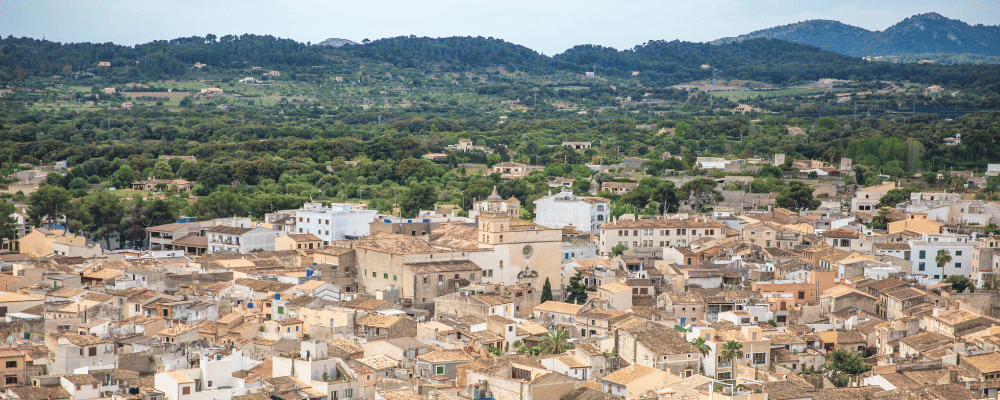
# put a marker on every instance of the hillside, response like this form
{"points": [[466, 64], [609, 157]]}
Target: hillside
{"points": [[919, 34], [656, 63]]}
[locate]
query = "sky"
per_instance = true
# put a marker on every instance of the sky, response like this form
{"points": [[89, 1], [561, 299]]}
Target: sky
{"points": [[547, 26]]}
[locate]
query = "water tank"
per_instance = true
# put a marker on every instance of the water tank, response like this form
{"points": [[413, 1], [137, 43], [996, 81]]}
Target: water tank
{"points": [[309, 272], [427, 220], [277, 296], [249, 305], [387, 220]]}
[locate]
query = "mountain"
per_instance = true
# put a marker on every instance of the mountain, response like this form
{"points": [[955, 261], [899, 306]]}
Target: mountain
{"points": [[919, 34], [336, 42]]}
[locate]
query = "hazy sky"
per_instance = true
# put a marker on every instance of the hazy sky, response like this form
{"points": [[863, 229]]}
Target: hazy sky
{"points": [[549, 26]]}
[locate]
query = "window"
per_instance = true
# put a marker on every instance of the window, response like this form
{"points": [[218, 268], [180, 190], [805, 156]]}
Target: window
{"points": [[759, 358], [281, 310], [425, 280], [921, 266], [11, 380], [11, 364], [958, 252], [385, 275], [802, 295], [92, 351], [394, 278], [186, 390], [958, 265], [439, 369], [923, 254]]}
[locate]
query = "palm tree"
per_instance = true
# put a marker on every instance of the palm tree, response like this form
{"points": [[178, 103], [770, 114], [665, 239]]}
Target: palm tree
{"points": [[732, 350], [700, 345], [555, 342], [943, 257]]}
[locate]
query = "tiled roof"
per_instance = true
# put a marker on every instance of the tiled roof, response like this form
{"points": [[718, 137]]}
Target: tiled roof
{"points": [[39, 392], [445, 356], [443, 266], [559, 307], [985, 363], [81, 379], [662, 223], [395, 243], [180, 376], [379, 362], [176, 330], [628, 374]]}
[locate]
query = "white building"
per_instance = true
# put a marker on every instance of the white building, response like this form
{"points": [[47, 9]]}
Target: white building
{"points": [[240, 240], [333, 222], [924, 252], [866, 199], [564, 208]]}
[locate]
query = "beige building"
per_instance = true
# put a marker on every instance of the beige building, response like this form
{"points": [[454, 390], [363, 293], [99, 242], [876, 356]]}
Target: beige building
{"points": [[305, 241], [43, 242], [510, 250], [657, 232]]}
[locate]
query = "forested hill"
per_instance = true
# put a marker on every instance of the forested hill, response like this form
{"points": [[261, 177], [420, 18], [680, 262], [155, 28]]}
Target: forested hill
{"points": [[658, 63], [919, 34], [453, 53]]}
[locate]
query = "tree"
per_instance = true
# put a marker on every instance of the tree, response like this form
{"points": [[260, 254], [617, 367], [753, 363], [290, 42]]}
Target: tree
{"points": [[700, 191], [618, 250], [123, 177], [898, 195], [162, 170], [107, 213], [958, 282], [8, 225], [880, 221], [799, 196], [214, 175], [554, 342], [546, 291], [219, 204], [700, 345], [732, 350], [47, 205], [420, 196], [576, 292], [943, 257], [991, 229], [843, 363]]}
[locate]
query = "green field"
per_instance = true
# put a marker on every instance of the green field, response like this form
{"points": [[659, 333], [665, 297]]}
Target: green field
{"points": [[738, 95]]}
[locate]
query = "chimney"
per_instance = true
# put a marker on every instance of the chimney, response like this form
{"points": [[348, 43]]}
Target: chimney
{"points": [[952, 376]]}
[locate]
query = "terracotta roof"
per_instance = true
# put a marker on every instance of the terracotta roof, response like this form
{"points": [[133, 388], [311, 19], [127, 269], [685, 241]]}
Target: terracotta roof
{"points": [[665, 341], [304, 237], [81, 379], [40, 392], [985, 363], [176, 330], [926, 341], [615, 287], [104, 274], [379, 362], [559, 307], [396, 244], [191, 240], [401, 394], [379, 321], [345, 345], [445, 356], [310, 285], [457, 237], [491, 300], [8, 297], [180, 376], [628, 374], [443, 266]]}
